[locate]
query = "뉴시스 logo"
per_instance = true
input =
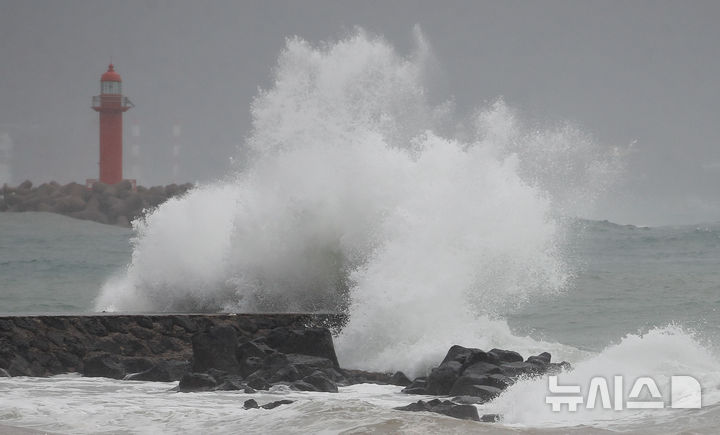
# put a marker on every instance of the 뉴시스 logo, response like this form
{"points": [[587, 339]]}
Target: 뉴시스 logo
{"points": [[685, 393]]}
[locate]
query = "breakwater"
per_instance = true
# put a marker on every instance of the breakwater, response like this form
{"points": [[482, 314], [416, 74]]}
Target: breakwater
{"points": [[45, 345], [116, 204], [246, 352]]}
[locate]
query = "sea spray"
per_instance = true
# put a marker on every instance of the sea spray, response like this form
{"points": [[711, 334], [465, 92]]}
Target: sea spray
{"points": [[352, 200]]}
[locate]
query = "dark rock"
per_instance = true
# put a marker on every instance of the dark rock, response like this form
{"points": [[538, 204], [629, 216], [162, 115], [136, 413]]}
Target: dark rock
{"points": [[196, 382], [250, 404], [442, 378], [506, 356], [543, 358], [69, 361], [55, 322], [468, 356], [308, 341], [105, 366], [252, 349], [6, 325], [288, 373], [93, 326], [417, 387], [352, 377], [144, 321], [108, 345], [446, 407], [320, 381], [307, 364], [257, 381], [482, 368], [303, 386], [138, 364], [273, 405], [26, 323], [250, 365], [490, 418], [468, 400], [484, 392], [20, 366], [186, 323], [56, 337], [497, 381], [215, 348], [400, 379], [142, 333], [456, 353], [231, 385]]}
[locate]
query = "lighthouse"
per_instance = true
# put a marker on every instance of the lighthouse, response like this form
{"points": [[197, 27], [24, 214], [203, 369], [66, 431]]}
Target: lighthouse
{"points": [[111, 105]]}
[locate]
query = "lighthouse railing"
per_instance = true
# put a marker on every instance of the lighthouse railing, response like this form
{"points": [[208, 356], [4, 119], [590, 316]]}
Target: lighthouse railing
{"points": [[119, 101]]}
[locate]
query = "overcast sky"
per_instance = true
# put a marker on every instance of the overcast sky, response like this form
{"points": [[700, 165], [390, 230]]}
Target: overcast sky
{"points": [[645, 71]]}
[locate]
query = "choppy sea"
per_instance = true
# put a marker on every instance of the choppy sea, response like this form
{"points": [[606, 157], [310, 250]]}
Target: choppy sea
{"points": [[644, 302], [359, 191]]}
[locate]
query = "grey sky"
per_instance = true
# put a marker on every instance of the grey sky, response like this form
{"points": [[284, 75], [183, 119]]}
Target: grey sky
{"points": [[623, 71]]}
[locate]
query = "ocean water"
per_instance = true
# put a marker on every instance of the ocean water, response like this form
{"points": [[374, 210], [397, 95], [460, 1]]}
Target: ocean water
{"points": [[357, 193]]}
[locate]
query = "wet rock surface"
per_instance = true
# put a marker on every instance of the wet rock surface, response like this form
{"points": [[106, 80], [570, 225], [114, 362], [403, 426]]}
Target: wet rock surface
{"points": [[141, 347], [116, 204], [480, 374], [445, 407], [475, 377]]}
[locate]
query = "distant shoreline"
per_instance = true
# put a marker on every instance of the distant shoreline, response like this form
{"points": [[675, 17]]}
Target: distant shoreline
{"points": [[116, 204]]}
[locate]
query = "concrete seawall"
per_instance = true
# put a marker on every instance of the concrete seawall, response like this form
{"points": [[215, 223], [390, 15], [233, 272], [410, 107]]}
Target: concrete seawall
{"points": [[45, 345]]}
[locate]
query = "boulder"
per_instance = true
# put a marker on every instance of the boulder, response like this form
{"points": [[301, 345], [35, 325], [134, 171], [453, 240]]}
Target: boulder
{"points": [[442, 378], [250, 365], [468, 356], [321, 382], [446, 407], [400, 379], [250, 404], [482, 368], [196, 382], [506, 356], [484, 392], [273, 405], [257, 381], [307, 341], [215, 348], [105, 366], [543, 358], [416, 387], [462, 387], [490, 418]]}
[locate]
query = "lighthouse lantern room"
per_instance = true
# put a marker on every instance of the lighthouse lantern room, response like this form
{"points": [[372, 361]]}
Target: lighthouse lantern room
{"points": [[111, 104]]}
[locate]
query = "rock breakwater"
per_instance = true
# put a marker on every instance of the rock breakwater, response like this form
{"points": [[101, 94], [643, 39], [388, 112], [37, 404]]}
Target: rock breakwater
{"points": [[116, 204]]}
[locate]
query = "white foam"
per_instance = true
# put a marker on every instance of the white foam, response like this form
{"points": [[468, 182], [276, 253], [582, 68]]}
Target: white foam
{"points": [[658, 354]]}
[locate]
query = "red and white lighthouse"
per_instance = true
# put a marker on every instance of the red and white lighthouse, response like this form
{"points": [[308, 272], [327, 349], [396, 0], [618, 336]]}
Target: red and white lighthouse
{"points": [[111, 104]]}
